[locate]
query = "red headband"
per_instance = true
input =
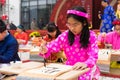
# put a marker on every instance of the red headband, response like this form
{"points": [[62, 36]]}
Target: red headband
{"points": [[116, 22]]}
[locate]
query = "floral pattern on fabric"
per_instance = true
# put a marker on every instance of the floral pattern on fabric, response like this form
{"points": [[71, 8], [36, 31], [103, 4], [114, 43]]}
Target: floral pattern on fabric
{"points": [[107, 19]]}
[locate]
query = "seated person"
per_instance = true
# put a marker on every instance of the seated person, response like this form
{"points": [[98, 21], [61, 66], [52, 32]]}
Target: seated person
{"points": [[21, 36], [113, 37], [8, 45], [53, 33], [100, 40]]}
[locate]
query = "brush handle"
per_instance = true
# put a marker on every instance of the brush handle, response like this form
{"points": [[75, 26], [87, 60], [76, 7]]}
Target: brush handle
{"points": [[44, 62]]}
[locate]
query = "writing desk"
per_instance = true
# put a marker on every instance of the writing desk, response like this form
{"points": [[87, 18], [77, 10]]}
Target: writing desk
{"points": [[23, 72], [69, 75], [115, 55]]}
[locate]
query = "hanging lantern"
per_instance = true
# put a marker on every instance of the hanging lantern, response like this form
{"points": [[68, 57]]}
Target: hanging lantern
{"points": [[3, 2], [4, 17]]}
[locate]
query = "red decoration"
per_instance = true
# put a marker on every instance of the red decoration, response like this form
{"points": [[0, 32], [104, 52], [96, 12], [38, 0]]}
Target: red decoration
{"points": [[3, 2], [60, 9], [4, 17], [116, 22]]}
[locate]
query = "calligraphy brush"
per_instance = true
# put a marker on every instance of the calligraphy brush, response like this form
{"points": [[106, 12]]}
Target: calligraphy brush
{"points": [[44, 62], [42, 45]]}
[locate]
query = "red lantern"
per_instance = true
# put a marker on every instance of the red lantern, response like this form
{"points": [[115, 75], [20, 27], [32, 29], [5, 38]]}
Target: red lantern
{"points": [[4, 17], [3, 2]]}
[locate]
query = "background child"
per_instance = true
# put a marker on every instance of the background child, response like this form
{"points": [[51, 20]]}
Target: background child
{"points": [[21, 36], [53, 33], [112, 37]]}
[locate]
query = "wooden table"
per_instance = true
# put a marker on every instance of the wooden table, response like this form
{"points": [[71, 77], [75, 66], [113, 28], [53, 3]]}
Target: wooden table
{"points": [[4, 65], [19, 68], [115, 55], [65, 76], [10, 78], [29, 53], [103, 62], [69, 75], [113, 73]]}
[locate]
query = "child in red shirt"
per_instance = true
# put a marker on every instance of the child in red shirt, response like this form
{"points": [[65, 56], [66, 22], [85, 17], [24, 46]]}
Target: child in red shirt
{"points": [[21, 36]]}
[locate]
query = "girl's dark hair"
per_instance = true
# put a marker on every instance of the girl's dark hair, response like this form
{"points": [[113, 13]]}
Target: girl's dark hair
{"points": [[2, 26], [51, 27], [107, 1], [85, 34]]}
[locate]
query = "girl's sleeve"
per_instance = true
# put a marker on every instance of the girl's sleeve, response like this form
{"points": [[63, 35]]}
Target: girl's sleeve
{"points": [[92, 51], [54, 46], [101, 38], [108, 38]]}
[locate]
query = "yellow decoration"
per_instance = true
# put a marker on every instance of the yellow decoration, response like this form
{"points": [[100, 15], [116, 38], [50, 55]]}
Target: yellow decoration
{"points": [[114, 64], [15, 34], [35, 34]]}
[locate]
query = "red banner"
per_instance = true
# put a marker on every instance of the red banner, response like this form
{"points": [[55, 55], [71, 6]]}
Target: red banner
{"points": [[59, 12]]}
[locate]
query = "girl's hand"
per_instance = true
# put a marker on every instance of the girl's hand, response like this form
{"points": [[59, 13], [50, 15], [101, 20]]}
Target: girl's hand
{"points": [[43, 48], [79, 66], [103, 34], [20, 41]]}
